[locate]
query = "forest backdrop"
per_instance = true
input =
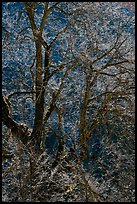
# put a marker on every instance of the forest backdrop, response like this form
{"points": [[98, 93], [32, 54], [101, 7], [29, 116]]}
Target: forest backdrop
{"points": [[68, 89]]}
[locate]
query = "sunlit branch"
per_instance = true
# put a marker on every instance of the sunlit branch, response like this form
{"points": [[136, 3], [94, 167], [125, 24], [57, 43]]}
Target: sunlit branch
{"points": [[20, 92]]}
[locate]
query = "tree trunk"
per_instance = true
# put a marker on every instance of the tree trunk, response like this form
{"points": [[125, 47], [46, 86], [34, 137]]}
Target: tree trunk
{"points": [[39, 105]]}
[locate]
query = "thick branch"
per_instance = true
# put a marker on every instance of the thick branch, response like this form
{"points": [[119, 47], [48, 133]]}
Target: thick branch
{"points": [[18, 131], [83, 113], [20, 92]]}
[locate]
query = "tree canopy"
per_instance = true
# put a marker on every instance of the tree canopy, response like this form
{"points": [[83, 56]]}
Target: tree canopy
{"points": [[68, 97]]}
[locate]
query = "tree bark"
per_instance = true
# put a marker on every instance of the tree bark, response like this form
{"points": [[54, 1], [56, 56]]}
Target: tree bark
{"points": [[39, 105], [18, 131]]}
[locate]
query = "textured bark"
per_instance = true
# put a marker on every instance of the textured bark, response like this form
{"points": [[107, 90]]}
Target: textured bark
{"points": [[39, 105], [40, 91]]}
